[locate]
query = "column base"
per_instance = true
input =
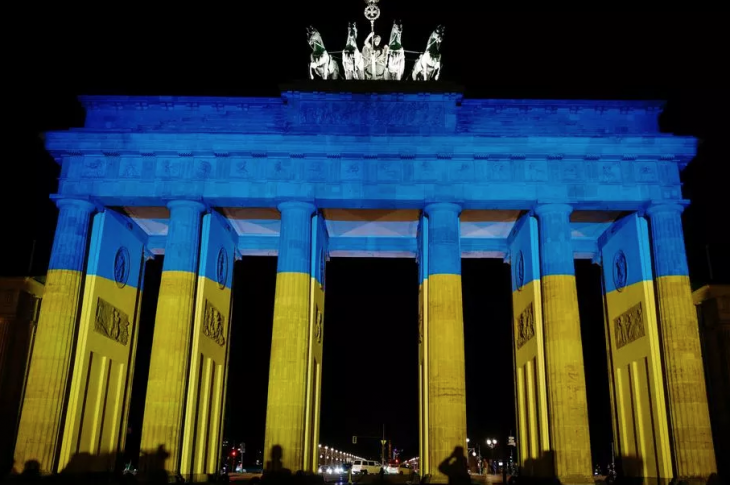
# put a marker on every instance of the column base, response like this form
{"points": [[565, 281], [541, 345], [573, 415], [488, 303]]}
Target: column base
{"points": [[576, 480], [193, 478]]}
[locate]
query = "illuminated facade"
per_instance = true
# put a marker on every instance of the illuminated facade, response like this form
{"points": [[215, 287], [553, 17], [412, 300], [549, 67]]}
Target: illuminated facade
{"points": [[311, 176]]}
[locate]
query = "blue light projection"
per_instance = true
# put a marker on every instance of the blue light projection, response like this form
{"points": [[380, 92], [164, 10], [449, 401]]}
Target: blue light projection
{"points": [[389, 151]]}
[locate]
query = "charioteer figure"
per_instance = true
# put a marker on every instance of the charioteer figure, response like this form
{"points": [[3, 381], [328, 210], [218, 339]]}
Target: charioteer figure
{"points": [[375, 57]]}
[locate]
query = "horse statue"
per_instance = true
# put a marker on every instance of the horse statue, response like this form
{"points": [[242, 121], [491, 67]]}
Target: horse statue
{"points": [[428, 65], [396, 55], [352, 59], [320, 62]]}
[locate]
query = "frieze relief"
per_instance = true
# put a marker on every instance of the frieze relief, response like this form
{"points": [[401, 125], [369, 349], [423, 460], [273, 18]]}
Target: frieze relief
{"points": [[629, 326], [93, 167], [609, 173], [111, 322], [213, 323], [130, 168], [391, 166], [364, 113], [169, 168], [525, 326], [203, 169]]}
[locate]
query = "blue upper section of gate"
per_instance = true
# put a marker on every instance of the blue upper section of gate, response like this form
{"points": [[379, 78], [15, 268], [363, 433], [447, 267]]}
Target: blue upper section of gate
{"points": [[360, 149]]}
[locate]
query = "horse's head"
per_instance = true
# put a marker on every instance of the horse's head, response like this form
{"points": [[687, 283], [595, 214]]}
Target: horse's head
{"points": [[395, 33], [438, 34], [434, 42], [313, 37], [352, 29]]}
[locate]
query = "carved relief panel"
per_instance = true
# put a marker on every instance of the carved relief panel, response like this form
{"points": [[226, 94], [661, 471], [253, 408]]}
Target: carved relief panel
{"points": [[213, 324], [629, 326], [525, 326], [318, 323], [111, 322]]}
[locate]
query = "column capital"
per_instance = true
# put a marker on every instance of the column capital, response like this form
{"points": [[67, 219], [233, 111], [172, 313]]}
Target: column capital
{"points": [[296, 205], [81, 204], [442, 207], [542, 209], [664, 207], [192, 204]]}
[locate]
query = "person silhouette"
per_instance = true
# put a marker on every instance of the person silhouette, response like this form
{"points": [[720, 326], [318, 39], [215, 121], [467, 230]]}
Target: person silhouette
{"points": [[275, 471], [456, 468]]}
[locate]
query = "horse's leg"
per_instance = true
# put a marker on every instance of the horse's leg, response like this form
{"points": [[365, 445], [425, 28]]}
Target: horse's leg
{"points": [[417, 68]]}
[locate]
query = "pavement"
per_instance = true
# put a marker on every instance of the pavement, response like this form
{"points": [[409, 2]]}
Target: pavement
{"points": [[370, 479]]}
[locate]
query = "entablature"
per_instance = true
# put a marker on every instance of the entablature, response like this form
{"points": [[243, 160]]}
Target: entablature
{"points": [[475, 171]]}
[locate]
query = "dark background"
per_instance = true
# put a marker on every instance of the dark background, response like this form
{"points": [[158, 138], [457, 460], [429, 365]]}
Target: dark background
{"points": [[371, 309]]}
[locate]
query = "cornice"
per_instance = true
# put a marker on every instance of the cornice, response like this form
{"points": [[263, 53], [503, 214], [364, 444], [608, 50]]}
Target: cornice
{"points": [[436, 156], [100, 138]]}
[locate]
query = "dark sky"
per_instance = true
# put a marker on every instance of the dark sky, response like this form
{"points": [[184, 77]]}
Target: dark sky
{"points": [[249, 49]]}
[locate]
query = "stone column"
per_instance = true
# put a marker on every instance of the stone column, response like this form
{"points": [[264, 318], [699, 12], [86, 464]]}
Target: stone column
{"points": [[446, 373], [689, 419], [286, 404], [713, 305], [40, 430], [567, 403], [170, 360]]}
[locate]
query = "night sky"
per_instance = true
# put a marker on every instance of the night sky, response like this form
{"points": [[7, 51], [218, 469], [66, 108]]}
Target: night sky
{"points": [[370, 356]]}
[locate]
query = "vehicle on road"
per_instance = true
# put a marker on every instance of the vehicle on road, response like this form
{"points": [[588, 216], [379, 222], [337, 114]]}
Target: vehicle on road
{"points": [[365, 467]]}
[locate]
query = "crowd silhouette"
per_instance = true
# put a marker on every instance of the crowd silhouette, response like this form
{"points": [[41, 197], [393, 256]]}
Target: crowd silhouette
{"points": [[152, 471]]}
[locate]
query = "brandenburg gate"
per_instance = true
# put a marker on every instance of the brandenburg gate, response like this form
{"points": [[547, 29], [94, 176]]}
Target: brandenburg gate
{"points": [[391, 172]]}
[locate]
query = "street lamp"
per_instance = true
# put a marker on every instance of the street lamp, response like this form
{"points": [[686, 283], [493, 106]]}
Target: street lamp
{"points": [[491, 443]]}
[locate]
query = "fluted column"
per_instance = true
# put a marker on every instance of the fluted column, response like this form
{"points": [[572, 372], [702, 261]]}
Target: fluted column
{"points": [[446, 368], [39, 431], [692, 446], [567, 403], [170, 360], [288, 366]]}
